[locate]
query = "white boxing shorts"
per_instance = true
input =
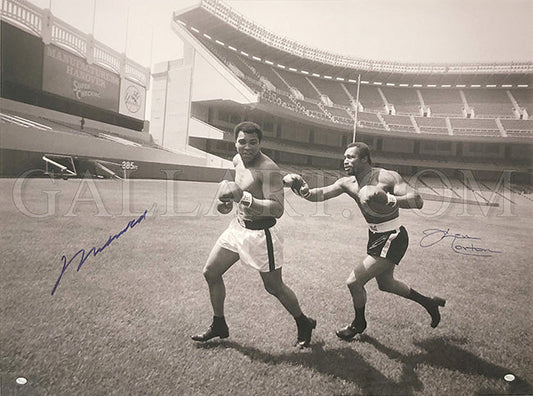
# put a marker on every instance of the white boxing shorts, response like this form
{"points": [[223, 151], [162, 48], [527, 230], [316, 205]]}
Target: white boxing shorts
{"points": [[258, 243]]}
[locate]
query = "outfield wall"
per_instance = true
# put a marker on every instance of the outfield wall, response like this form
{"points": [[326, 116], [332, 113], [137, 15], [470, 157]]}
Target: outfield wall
{"points": [[19, 163], [22, 150], [46, 75]]}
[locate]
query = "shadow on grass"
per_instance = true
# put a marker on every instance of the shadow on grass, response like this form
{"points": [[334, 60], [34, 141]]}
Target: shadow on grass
{"points": [[347, 364], [446, 354], [343, 363]]}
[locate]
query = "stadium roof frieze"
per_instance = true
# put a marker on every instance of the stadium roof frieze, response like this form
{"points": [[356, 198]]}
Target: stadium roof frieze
{"points": [[52, 30], [219, 21]]}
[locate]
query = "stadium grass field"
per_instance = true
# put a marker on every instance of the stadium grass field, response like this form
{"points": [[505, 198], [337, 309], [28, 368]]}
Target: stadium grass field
{"points": [[121, 325]]}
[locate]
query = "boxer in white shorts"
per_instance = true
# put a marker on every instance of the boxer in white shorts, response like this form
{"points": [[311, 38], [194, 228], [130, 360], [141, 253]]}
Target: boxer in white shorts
{"points": [[261, 249], [252, 236]]}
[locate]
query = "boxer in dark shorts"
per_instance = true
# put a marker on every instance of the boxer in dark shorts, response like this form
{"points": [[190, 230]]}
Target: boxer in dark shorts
{"points": [[379, 194], [391, 245]]}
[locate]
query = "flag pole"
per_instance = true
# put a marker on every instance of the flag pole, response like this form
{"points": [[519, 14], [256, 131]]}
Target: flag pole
{"points": [[94, 17], [127, 28], [356, 108]]}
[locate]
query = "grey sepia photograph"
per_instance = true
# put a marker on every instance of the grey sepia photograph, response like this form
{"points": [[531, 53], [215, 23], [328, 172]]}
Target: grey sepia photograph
{"points": [[266, 197]]}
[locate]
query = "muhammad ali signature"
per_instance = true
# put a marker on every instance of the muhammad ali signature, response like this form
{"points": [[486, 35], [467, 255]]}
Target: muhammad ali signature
{"points": [[460, 244], [82, 255]]}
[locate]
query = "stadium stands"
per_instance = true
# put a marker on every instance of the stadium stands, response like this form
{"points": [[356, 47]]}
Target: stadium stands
{"points": [[475, 127], [443, 102], [368, 96], [518, 128], [329, 100], [399, 123], [432, 125], [524, 98], [445, 116], [341, 114], [489, 103], [300, 82], [307, 100], [370, 120], [334, 91], [405, 100], [267, 72]]}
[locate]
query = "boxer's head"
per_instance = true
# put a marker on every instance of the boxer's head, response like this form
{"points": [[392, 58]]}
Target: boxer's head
{"points": [[248, 136], [356, 158]]}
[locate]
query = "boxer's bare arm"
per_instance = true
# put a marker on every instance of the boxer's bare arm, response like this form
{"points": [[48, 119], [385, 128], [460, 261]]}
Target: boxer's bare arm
{"points": [[406, 196], [325, 193]]}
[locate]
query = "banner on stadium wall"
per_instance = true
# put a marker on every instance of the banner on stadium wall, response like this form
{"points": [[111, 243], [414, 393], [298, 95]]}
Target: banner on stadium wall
{"points": [[72, 77], [132, 99]]}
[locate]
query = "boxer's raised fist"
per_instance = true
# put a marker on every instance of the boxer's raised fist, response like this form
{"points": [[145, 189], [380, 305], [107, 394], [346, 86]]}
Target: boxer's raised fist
{"points": [[229, 191], [372, 194], [296, 183], [225, 207]]}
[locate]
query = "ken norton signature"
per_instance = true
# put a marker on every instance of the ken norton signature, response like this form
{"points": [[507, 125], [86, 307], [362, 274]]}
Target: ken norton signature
{"points": [[460, 244], [82, 255]]}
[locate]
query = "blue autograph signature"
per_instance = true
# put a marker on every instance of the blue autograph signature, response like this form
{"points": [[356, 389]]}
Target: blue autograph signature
{"points": [[83, 255], [461, 244]]}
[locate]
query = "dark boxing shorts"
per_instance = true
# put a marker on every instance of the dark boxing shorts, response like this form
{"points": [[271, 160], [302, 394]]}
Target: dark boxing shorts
{"points": [[391, 245]]}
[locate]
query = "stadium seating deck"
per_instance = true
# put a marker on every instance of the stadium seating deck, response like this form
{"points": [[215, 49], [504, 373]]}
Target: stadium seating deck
{"points": [[474, 123], [474, 127], [443, 102], [333, 90], [524, 97], [405, 100], [489, 102], [518, 128], [432, 125], [266, 71], [399, 123], [341, 113], [299, 81], [368, 96], [431, 121], [312, 107], [398, 120], [369, 120], [518, 124]]}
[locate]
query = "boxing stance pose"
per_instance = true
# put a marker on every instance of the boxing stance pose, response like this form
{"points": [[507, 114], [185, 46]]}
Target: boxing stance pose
{"points": [[379, 193], [252, 236]]}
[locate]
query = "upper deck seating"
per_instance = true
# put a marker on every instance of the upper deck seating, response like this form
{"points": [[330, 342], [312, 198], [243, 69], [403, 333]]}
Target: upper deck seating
{"points": [[443, 102], [266, 71], [518, 128], [405, 100], [489, 102], [435, 125], [369, 120], [474, 127], [369, 97], [333, 90], [524, 97], [299, 82], [340, 113], [399, 123]]}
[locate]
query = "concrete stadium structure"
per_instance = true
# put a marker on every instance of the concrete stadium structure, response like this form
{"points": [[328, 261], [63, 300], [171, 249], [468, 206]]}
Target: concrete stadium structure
{"points": [[449, 117], [71, 106]]}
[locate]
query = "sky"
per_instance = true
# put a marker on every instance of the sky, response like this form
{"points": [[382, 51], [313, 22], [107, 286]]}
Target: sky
{"points": [[442, 31]]}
